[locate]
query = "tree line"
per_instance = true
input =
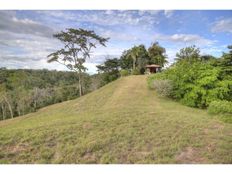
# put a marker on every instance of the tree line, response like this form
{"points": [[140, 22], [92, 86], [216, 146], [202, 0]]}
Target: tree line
{"points": [[132, 61], [25, 91]]}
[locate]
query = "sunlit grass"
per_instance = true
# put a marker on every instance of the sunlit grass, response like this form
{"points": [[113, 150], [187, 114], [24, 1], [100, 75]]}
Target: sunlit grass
{"points": [[123, 122]]}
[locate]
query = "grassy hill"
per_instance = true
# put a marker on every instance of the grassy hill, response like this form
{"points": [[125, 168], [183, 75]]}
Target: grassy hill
{"points": [[122, 122]]}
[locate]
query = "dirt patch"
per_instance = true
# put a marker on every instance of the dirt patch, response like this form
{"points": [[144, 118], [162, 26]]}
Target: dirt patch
{"points": [[190, 156], [18, 148], [87, 125], [89, 157], [142, 155], [217, 126]]}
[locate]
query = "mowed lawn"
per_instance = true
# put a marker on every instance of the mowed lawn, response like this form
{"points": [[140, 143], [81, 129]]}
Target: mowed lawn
{"points": [[122, 122]]}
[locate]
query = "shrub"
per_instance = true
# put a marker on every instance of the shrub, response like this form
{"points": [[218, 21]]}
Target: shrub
{"points": [[158, 76], [195, 84], [198, 83], [124, 72], [220, 107], [163, 88], [135, 72]]}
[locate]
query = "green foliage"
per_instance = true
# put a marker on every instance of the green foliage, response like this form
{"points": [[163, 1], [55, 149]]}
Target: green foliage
{"points": [[124, 72], [109, 70], [197, 82], [136, 57], [78, 44], [25, 91], [164, 88], [135, 72], [125, 63], [220, 107], [226, 64], [189, 53], [153, 77], [157, 54]]}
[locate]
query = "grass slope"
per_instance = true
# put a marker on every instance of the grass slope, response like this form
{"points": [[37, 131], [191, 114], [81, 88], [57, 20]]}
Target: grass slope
{"points": [[123, 122]]}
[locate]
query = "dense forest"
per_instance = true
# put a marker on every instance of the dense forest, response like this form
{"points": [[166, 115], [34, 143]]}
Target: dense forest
{"points": [[24, 91]]}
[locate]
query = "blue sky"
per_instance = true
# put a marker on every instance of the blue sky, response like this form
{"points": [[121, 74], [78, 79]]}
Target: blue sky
{"points": [[26, 36]]}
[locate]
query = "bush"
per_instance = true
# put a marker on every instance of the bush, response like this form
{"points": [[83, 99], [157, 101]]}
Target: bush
{"points": [[135, 72], [124, 72], [151, 78], [163, 88], [220, 107], [195, 84]]}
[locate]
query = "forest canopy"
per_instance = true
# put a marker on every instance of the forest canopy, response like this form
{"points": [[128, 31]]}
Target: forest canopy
{"points": [[24, 91]]}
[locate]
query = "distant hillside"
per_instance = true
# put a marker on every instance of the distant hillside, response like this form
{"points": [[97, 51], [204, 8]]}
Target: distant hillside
{"points": [[23, 91], [122, 122]]}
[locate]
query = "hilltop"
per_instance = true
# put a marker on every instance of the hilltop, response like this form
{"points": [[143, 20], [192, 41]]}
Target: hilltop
{"points": [[122, 122]]}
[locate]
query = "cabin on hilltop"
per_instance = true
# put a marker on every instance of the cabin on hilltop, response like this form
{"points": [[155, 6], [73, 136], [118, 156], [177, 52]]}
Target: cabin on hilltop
{"points": [[153, 68]]}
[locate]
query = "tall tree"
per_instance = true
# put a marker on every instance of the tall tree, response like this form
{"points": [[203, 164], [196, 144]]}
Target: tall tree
{"points": [[5, 99], [125, 62], [207, 57], [134, 54], [157, 54], [225, 62], [142, 59], [78, 44], [190, 53], [109, 70], [139, 56]]}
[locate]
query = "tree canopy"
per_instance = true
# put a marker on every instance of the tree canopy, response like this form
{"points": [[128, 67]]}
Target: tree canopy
{"points": [[109, 70], [157, 54], [78, 44], [190, 53]]}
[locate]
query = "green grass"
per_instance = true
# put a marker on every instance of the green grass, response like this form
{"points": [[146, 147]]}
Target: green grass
{"points": [[122, 122]]}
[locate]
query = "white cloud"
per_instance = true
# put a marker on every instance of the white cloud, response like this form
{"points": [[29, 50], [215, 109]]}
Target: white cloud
{"points": [[185, 38], [113, 35], [109, 17], [26, 42], [24, 21], [168, 13], [9, 22], [33, 46], [190, 38], [224, 25]]}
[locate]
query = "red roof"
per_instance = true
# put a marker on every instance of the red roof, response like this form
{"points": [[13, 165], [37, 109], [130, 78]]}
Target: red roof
{"points": [[153, 66]]}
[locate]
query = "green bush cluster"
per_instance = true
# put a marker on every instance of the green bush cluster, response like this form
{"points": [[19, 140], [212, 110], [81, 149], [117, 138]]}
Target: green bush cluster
{"points": [[124, 72], [163, 88], [197, 83], [220, 107], [136, 72], [153, 77]]}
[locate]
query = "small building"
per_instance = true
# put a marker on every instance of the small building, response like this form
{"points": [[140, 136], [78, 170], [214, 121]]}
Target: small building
{"points": [[153, 68]]}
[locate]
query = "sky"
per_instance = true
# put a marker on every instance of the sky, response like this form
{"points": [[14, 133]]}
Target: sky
{"points": [[26, 36]]}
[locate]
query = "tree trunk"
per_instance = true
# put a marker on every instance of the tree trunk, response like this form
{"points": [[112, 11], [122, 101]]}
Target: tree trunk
{"points": [[3, 112], [134, 60], [18, 110], [79, 84], [133, 64], [9, 106], [23, 109]]}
